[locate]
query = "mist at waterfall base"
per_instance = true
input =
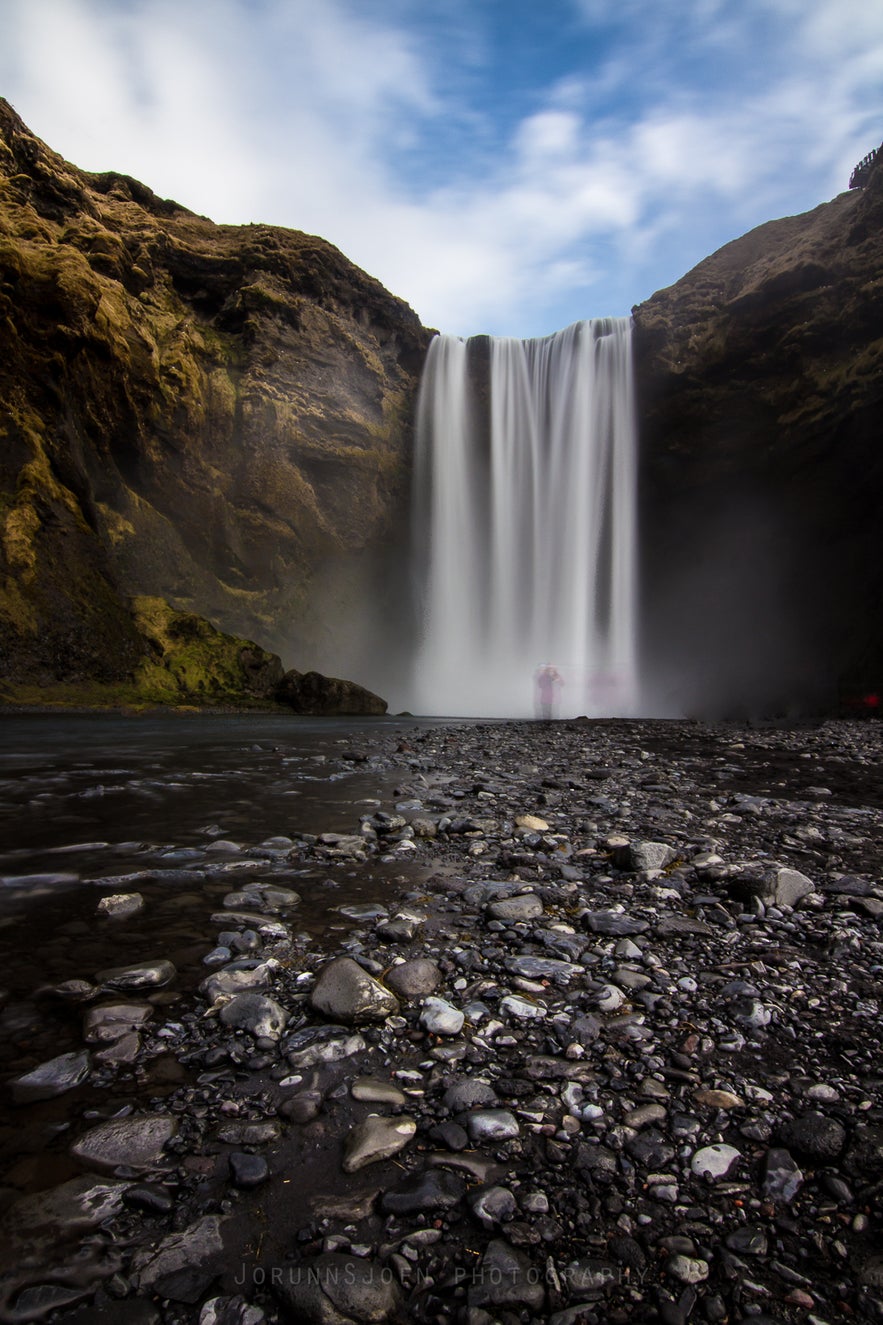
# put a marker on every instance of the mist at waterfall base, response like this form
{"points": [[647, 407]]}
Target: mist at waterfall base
{"points": [[524, 510], [534, 539]]}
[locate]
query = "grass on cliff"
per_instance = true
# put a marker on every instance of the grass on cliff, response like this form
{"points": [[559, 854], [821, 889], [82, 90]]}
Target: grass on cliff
{"points": [[188, 664]]}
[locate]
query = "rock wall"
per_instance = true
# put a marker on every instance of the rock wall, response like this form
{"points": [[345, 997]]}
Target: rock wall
{"points": [[761, 393], [218, 415]]}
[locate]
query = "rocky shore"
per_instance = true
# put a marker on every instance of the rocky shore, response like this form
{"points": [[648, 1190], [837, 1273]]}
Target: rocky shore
{"points": [[611, 1056]]}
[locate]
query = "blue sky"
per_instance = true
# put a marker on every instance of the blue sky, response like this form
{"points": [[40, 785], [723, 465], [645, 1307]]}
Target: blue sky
{"points": [[506, 166]]}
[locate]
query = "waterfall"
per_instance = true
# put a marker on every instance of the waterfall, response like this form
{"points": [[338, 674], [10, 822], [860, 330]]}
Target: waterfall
{"points": [[524, 522]]}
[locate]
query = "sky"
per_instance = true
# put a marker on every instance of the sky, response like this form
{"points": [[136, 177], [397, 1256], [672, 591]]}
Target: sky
{"points": [[505, 166]]}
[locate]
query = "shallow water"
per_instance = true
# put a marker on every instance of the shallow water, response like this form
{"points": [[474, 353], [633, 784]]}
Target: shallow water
{"points": [[95, 804]]}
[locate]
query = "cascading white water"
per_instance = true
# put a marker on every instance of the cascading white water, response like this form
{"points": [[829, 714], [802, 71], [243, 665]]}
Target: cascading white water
{"points": [[525, 523]]}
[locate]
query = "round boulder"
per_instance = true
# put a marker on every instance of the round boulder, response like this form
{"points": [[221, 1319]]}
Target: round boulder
{"points": [[345, 993]]}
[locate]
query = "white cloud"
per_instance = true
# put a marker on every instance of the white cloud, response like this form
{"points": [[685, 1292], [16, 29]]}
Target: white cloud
{"points": [[688, 125]]}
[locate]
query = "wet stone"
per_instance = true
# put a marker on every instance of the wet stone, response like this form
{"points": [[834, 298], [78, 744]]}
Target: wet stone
{"points": [[440, 1017], [375, 1091], [262, 1017], [414, 979], [236, 980], [247, 1170], [140, 975], [250, 1133], [747, 1241], [36, 1302], [329, 1049], [302, 1108], [376, 1139], [544, 968], [431, 1189], [231, 1311], [73, 1207], [120, 906], [782, 1179], [813, 1136], [714, 1161], [491, 1125], [134, 1144], [124, 1049], [451, 1135], [52, 1078], [185, 1263], [687, 1269], [505, 1277], [149, 1196], [493, 1206], [264, 897], [614, 922], [718, 1099], [525, 906], [110, 1021], [346, 993], [521, 1009], [336, 1288], [401, 928], [588, 1277]]}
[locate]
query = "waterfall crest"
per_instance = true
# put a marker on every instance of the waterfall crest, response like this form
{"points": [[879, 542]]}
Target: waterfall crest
{"points": [[524, 522]]}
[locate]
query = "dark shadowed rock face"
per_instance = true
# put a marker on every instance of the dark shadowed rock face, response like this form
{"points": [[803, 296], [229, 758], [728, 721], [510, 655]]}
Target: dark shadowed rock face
{"points": [[206, 413], [761, 391], [322, 696]]}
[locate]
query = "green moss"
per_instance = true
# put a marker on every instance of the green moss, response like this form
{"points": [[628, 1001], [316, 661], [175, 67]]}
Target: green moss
{"points": [[191, 660]]}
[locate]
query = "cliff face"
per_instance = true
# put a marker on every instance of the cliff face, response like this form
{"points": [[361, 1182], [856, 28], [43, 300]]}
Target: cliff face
{"points": [[761, 397], [213, 414]]}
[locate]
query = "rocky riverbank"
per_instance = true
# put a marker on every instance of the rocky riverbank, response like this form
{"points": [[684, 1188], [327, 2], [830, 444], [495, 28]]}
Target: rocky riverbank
{"points": [[612, 1057]]}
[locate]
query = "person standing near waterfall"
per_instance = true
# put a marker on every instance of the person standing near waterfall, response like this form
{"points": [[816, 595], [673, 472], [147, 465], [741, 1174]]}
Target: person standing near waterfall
{"points": [[548, 681]]}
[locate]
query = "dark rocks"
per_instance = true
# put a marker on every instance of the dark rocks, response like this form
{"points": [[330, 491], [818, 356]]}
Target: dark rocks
{"points": [[135, 1144], [50, 1079], [262, 1017], [814, 1137], [525, 906], [440, 1017], [614, 922], [185, 1263], [248, 1170], [327, 696], [432, 1189], [469, 1093], [376, 1139], [505, 1277], [594, 1091], [334, 1289], [73, 1207], [140, 975], [347, 993], [782, 1178], [415, 978]]}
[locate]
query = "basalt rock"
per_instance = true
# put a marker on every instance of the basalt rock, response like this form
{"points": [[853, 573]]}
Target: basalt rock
{"points": [[215, 415], [327, 696], [760, 379]]}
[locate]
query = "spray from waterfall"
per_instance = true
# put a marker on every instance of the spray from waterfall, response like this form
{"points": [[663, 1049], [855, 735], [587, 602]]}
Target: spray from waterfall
{"points": [[525, 527]]}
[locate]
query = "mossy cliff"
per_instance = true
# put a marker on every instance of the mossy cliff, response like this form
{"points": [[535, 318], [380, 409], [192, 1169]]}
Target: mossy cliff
{"points": [[761, 397], [184, 662], [212, 414]]}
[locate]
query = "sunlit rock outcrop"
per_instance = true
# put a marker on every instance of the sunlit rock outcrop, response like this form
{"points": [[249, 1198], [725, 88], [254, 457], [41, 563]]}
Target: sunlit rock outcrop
{"points": [[207, 413]]}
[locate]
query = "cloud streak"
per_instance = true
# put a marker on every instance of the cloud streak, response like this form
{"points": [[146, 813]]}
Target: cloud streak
{"points": [[494, 187]]}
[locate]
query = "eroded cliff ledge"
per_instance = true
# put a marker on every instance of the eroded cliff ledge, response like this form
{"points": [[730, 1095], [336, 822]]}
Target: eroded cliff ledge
{"points": [[218, 415], [761, 398]]}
